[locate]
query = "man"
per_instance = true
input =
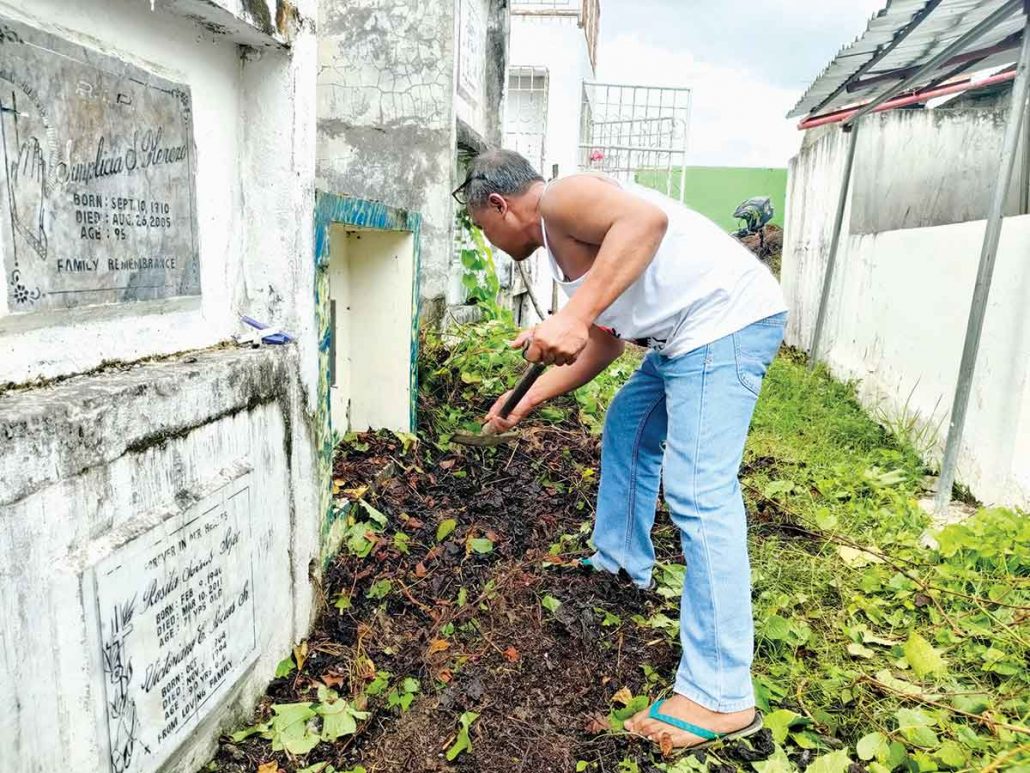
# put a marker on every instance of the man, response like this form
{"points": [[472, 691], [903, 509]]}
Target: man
{"points": [[639, 266]]}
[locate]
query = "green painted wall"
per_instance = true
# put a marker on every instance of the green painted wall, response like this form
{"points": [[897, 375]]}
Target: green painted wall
{"points": [[716, 191]]}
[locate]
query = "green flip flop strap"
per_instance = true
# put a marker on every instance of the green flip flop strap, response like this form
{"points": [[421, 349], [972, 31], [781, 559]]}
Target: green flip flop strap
{"points": [[700, 732]]}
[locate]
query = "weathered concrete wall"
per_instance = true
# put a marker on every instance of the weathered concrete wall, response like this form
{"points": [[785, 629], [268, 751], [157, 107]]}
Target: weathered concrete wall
{"points": [[386, 126], [928, 167], [898, 313], [100, 464], [388, 107], [253, 180], [97, 461], [481, 29]]}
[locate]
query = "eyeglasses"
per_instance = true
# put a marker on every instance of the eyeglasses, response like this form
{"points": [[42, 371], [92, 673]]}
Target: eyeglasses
{"points": [[460, 193]]}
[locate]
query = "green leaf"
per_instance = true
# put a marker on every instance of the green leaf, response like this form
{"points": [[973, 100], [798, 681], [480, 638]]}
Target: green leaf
{"points": [[400, 543], [806, 739], [777, 628], [410, 684], [343, 602], [900, 685], [286, 667], [618, 717], [358, 542], [481, 545], [834, 762], [581, 766], [952, 755], [318, 767], [782, 720], [462, 742], [445, 528], [915, 727], [971, 704], [408, 440], [373, 514], [873, 746], [825, 519], [339, 718], [897, 755], [247, 732], [377, 685], [860, 650], [380, 589], [610, 619], [550, 603], [923, 658], [778, 762], [856, 559], [290, 730]]}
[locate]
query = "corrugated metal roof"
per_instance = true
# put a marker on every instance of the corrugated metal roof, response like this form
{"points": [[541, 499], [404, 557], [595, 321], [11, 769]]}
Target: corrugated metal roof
{"points": [[945, 24]]}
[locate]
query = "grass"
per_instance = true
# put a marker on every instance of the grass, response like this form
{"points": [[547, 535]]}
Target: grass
{"points": [[717, 191], [911, 657]]}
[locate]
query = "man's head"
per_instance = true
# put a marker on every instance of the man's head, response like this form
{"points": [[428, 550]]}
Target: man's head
{"points": [[501, 194]]}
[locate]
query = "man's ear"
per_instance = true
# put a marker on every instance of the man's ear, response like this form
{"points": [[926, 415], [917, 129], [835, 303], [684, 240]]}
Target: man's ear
{"points": [[498, 203]]}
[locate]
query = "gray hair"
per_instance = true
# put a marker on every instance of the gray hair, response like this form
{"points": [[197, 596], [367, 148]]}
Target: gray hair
{"points": [[504, 172]]}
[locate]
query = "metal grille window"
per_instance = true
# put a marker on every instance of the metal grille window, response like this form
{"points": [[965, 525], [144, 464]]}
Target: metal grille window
{"points": [[630, 131], [526, 113]]}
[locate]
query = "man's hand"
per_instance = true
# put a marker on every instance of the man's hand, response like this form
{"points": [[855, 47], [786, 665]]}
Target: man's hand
{"points": [[519, 412], [558, 340]]}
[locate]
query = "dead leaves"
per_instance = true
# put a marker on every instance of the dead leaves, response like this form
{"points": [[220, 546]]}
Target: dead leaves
{"points": [[623, 696], [268, 767], [665, 744], [330, 679], [438, 645], [597, 724], [300, 654]]}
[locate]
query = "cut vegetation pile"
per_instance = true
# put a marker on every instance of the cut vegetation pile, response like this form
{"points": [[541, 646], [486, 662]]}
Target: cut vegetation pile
{"points": [[458, 632]]}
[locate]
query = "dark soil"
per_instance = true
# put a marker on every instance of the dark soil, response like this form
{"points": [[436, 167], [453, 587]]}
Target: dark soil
{"points": [[771, 251], [539, 680]]}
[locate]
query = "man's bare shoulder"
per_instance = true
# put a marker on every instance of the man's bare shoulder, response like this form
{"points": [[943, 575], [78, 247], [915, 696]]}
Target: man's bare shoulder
{"points": [[569, 192]]}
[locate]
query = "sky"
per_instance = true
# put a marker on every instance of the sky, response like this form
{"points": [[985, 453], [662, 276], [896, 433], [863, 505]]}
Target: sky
{"points": [[747, 64]]}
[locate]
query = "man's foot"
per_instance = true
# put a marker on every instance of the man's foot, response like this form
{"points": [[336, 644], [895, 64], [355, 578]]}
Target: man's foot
{"points": [[686, 710]]}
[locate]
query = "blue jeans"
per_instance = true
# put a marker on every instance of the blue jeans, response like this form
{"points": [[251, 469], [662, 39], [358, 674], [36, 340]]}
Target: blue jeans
{"points": [[684, 420]]}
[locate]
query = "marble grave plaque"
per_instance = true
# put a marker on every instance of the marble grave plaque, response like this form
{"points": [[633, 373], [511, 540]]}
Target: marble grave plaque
{"points": [[177, 627], [97, 191]]}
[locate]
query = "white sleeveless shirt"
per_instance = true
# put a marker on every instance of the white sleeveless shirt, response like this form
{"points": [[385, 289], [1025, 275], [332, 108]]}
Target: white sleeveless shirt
{"points": [[701, 286]]}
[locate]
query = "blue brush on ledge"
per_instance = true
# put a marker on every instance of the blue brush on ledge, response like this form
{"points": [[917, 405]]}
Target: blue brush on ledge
{"points": [[272, 336]]}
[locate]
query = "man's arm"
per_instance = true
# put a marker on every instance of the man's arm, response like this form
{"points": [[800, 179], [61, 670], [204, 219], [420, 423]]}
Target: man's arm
{"points": [[628, 231], [602, 350]]}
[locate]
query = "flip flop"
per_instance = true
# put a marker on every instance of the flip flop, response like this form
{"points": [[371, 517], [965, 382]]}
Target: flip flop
{"points": [[710, 737]]}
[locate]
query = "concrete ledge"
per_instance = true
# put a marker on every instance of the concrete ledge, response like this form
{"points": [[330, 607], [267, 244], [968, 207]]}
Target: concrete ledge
{"points": [[56, 432], [256, 23]]}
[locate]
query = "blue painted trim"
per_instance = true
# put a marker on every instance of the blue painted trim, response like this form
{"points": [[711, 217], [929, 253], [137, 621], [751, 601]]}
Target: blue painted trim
{"points": [[332, 209]]}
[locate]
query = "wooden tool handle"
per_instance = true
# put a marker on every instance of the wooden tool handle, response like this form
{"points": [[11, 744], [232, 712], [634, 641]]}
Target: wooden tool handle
{"points": [[532, 374]]}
